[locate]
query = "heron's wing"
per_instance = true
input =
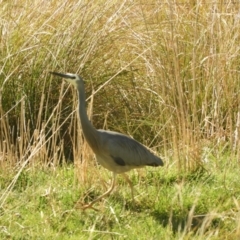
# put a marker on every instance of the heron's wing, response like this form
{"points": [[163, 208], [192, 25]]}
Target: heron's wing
{"points": [[127, 151]]}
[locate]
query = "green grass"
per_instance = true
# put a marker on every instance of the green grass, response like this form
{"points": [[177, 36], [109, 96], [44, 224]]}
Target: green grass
{"points": [[168, 205]]}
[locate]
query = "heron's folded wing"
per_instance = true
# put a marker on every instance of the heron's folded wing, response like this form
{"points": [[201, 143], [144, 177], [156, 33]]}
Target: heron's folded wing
{"points": [[127, 151]]}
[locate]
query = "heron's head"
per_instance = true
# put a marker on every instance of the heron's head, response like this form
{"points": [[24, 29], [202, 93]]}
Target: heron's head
{"points": [[71, 78]]}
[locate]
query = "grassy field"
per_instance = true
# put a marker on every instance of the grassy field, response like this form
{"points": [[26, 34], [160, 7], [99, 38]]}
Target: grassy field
{"points": [[44, 204], [163, 72]]}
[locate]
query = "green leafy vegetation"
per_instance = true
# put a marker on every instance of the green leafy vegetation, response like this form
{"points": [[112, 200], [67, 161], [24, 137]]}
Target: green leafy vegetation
{"points": [[164, 72]]}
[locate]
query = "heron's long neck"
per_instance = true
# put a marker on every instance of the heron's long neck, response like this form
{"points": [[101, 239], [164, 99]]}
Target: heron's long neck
{"points": [[89, 132]]}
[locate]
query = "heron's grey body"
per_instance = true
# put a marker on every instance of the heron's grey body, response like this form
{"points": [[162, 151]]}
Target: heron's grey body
{"points": [[120, 153], [114, 151]]}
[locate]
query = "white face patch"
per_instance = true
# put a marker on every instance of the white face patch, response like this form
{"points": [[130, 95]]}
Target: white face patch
{"points": [[72, 81], [69, 77]]}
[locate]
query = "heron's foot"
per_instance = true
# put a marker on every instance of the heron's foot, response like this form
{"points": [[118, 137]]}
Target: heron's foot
{"points": [[84, 206]]}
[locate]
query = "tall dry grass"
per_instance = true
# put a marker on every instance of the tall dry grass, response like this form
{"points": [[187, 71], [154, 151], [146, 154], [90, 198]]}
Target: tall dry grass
{"points": [[166, 73]]}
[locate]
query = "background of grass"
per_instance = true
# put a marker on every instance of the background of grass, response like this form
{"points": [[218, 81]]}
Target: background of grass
{"points": [[166, 73]]}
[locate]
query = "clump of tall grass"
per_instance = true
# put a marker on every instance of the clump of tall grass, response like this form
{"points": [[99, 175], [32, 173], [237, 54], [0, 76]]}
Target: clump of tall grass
{"points": [[169, 71], [164, 72]]}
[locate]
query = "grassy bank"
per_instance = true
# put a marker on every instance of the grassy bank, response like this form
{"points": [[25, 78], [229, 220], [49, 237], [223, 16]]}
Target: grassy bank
{"points": [[166, 73], [43, 204]]}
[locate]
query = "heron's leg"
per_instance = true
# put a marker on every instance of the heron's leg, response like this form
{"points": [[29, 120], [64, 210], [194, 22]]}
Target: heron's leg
{"points": [[103, 195], [130, 183]]}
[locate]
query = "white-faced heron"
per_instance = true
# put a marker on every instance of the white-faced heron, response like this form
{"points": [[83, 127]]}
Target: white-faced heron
{"points": [[114, 151]]}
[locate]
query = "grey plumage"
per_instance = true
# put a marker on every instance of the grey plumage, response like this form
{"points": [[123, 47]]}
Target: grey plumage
{"points": [[114, 151], [117, 146]]}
